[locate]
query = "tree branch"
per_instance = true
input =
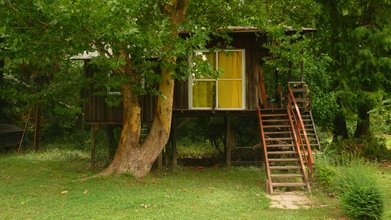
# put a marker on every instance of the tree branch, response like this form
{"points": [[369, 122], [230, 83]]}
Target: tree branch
{"points": [[101, 49]]}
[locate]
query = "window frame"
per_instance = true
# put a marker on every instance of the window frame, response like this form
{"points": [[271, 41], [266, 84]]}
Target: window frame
{"points": [[191, 81]]}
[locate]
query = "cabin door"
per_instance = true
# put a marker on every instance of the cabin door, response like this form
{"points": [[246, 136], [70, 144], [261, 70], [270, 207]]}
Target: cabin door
{"points": [[225, 92]]}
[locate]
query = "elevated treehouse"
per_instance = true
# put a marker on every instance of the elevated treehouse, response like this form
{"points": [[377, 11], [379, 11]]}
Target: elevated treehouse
{"points": [[286, 129]]}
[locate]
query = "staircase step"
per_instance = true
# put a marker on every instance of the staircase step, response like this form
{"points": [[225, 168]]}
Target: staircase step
{"points": [[284, 167], [275, 120], [283, 159], [279, 145], [289, 184], [281, 152], [277, 132], [291, 175], [276, 126], [279, 139], [274, 115], [297, 90]]}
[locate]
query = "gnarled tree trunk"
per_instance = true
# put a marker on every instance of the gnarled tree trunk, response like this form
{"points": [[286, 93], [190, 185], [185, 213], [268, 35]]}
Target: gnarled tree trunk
{"points": [[131, 157]]}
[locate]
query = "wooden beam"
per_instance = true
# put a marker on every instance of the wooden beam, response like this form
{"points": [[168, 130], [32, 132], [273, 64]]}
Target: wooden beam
{"points": [[228, 141], [173, 143], [37, 127]]}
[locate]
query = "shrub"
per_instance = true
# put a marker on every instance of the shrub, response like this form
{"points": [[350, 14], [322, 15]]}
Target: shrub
{"points": [[370, 147], [324, 172], [359, 193]]}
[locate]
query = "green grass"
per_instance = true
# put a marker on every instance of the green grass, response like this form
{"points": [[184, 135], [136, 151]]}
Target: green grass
{"points": [[46, 186], [197, 150], [385, 182], [388, 141]]}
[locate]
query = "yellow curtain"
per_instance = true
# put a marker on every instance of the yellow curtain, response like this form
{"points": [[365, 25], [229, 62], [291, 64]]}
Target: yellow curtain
{"points": [[203, 94], [230, 83], [230, 93], [231, 64]]}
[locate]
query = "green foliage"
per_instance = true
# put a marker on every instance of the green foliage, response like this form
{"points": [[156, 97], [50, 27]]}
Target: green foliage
{"points": [[373, 148], [325, 172], [360, 195], [354, 181], [203, 137], [196, 149], [381, 118], [356, 35]]}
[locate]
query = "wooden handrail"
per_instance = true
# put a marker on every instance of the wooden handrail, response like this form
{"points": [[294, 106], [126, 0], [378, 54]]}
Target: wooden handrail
{"points": [[268, 175], [297, 146], [299, 126]]}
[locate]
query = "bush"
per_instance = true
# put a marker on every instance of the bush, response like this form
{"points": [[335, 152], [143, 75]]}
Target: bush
{"points": [[325, 172], [359, 193], [353, 180], [372, 148]]}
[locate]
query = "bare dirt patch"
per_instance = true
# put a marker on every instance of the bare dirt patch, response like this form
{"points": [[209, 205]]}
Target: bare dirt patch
{"points": [[290, 200]]}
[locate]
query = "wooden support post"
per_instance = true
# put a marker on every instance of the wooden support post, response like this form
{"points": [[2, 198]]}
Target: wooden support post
{"points": [[173, 142], [37, 127], [228, 144], [93, 146]]}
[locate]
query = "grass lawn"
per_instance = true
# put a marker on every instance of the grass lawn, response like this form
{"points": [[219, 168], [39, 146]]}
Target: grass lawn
{"points": [[46, 186], [388, 140], [385, 182]]}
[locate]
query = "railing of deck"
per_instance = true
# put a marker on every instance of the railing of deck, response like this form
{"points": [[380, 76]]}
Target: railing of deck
{"points": [[302, 143]]}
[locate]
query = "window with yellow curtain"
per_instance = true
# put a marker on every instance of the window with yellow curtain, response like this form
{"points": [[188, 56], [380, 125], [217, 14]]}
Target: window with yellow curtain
{"points": [[230, 83], [227, 91]]}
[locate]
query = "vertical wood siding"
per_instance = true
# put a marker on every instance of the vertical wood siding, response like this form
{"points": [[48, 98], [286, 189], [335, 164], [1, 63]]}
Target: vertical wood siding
{"points": [[97, 111]]}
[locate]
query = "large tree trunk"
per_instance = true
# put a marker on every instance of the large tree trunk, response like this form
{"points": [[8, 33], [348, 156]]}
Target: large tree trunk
{"points": [[340, 128], [363, 123], [130, 157]]}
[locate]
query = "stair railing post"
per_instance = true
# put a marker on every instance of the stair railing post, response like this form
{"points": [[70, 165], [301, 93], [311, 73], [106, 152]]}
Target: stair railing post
{"points": [[307, 151]]}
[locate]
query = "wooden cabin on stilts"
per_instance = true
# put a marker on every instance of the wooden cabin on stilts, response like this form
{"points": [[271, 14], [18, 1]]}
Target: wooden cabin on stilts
{"points": [[286, 130]]}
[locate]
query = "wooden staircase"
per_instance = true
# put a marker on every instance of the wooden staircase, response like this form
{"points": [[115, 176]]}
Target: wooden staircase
{"points": [[310, 128], [287, 149]]}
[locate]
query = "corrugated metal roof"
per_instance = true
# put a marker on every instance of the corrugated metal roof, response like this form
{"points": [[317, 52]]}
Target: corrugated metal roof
{"points": [[253, 29], [243, 29], [85, 55], [233, 29]]}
